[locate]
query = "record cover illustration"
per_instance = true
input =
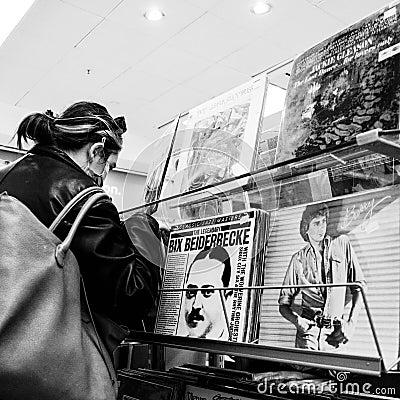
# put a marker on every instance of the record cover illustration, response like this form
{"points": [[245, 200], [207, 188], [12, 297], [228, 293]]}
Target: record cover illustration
{"points": [[220, 252], [350, 243], [349, 83], [218, 139], [161, 153]]}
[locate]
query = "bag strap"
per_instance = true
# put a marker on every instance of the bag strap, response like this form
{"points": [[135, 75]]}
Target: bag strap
{"points": [[73, 202], [61, 250], [64, 246]]}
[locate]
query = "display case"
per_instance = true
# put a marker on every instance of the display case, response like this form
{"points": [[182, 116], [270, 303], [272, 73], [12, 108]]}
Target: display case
{"points": [[325, 170], [358, 181]]}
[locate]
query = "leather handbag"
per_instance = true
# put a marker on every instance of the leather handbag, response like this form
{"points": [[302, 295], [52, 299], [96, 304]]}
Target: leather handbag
{"points": [[49, 347]]}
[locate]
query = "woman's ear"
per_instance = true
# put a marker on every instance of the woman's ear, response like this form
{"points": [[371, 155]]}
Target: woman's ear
{"points": [[96, 150]]}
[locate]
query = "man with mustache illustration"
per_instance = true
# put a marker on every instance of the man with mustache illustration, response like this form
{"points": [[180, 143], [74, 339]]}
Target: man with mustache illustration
{"points": [[204, 306]]}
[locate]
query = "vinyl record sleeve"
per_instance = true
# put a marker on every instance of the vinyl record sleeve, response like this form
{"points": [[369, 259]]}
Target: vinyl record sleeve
{"points": [[160, 156], [224, 251], [148, 385], [138, 388], [349, 83], [218, 138], [367, 224], [197, 392]]}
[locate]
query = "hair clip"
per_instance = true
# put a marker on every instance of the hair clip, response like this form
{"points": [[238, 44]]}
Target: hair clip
{"points": [[49, 113], [121, 123]]}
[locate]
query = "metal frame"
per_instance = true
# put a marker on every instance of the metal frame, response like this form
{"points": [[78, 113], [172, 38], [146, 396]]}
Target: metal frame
{"points": [[312, 358], [373, 140]]}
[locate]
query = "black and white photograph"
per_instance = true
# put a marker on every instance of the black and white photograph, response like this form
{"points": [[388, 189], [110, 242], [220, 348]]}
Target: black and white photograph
{"points": [[199, 199]]}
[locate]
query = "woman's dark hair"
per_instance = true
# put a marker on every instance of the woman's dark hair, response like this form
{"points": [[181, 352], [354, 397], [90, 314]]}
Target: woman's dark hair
{"points": [[81, 123], [310, 212]]}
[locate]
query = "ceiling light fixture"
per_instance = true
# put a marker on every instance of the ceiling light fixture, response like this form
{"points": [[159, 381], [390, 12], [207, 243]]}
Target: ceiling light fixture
{"points": [[11, 13], [260, 8], [154, 14]]}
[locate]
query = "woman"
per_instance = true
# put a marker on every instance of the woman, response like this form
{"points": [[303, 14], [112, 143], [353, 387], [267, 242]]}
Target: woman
{"points": [[75, 151]]}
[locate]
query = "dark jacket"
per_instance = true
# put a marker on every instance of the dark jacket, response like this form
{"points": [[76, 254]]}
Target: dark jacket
{"points": [[120, 284]]}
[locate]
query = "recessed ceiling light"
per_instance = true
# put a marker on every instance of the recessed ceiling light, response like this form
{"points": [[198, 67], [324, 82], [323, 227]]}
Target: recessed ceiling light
{"points": [[11, 13], [261, 7], [154, 14]]}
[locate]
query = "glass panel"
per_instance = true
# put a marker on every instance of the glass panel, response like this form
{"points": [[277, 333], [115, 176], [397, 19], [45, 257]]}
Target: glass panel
{"points": [[360, 188]]}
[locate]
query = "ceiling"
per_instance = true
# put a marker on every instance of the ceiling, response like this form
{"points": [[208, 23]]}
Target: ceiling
{"points": [[63, 51]]}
